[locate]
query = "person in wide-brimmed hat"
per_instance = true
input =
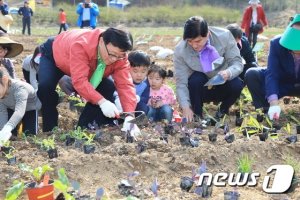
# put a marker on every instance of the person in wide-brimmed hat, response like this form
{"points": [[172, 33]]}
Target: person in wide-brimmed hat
{"points": [[282, 76], [8, 49], [254, 21]]}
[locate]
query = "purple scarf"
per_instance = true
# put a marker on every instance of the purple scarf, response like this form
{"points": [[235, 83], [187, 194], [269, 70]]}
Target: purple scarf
{"points": [[207, 56]]}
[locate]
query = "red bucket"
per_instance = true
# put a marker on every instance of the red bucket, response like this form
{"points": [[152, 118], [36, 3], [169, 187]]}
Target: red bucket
{"points": [[43, 193]]}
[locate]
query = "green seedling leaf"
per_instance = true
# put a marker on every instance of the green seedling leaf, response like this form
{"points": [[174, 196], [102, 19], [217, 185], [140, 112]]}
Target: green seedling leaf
{"points": [[39, 172], [287, 128], [14, 192], [63, 177], [295, 120], [245, 164]]}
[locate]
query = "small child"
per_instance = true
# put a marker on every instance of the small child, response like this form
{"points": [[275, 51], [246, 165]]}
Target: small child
{"points": [[139, 63], [62, 20], [18, 102], [162, 97]]}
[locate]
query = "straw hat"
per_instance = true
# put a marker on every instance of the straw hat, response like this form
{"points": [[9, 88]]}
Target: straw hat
{"points": [[15, 47], [289, 38]]}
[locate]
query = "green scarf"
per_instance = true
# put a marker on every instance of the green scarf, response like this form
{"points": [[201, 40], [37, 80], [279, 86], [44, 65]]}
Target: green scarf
{"points": [[98, 73]]}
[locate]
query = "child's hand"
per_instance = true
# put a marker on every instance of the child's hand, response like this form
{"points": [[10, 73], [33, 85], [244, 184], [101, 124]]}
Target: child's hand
{"points": [[159, 103]]}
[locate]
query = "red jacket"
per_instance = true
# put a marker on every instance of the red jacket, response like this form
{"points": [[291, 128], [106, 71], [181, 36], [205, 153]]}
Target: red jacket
{"points": [[75, 53], [247, 18], [62, 18]]}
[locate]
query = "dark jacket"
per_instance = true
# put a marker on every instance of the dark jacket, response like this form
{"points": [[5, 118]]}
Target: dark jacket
{"points": [[25, 11], [142, 105], [246, 51], [4, 9], [281, 69]]}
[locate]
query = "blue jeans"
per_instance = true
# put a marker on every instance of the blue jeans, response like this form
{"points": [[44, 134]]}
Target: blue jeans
{"points": [[255, 81], [227, 93], [158, 114]]}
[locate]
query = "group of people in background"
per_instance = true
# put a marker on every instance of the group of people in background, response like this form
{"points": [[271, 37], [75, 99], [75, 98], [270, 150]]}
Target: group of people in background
{"points": [[103, 69]]}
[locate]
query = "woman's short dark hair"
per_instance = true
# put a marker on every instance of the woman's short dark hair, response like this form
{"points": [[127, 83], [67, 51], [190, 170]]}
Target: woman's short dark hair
{"points": [[138, 58], [194, 27], [118, 38], [235, 30]]}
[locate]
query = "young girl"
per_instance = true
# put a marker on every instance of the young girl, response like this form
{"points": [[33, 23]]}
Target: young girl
{"points": [[18, 102], [161, 96]]}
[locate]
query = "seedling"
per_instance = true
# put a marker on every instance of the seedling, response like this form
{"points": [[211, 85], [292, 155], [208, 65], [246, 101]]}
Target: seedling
{"points": [[245, 164], [155, 187], [49, 143], [15, 191], [89, 146], [128, 187], [62, 184], [204, 190], [61, 94], [11, 158], [290, 138]]}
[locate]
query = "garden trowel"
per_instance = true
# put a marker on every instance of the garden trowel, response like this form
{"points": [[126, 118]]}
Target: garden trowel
{"points": [[140, 120], [216, 80]]}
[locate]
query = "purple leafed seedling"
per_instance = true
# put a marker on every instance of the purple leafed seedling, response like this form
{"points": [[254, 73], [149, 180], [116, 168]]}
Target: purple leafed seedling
{"points": [[160, 130], [198, 131], [155, 187], [203, 190], [231, 195], [229, 137], [226, 128], [202, 168], [99, 193], [76, 188], [127, 187], [93, 126]]}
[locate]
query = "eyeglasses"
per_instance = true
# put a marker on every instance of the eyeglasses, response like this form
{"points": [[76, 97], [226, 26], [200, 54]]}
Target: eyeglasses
{"points": [[112, 55]]}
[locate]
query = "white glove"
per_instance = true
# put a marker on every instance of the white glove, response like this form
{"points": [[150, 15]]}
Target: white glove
{"points": [[5, 134], [274, 112], [109, 109], [138, 98], [133, 128], [118, 104]]}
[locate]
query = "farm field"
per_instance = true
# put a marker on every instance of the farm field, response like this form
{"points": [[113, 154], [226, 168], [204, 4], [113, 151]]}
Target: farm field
{"points": [[114, 159]]}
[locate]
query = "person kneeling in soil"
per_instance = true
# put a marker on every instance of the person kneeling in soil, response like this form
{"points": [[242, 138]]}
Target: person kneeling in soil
{"points": [[203, 53], [18, 103], [89, 57], [282, 75], [139, 65], [244, 47], [162, 97]]}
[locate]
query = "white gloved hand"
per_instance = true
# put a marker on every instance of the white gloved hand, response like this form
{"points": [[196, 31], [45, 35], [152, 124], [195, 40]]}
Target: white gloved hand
{"points": [[5, 134], [133, 128], [118, 104], [109, 109], [274, 112], [138, 98]]}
